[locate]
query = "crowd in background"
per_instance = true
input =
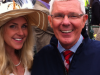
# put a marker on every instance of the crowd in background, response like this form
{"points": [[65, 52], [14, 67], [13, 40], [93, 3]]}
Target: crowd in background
{"points": [[41, 35], [64, 30]]}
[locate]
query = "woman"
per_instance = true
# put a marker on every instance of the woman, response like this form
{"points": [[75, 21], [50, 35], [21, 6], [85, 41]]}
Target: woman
{"points": [[16, 41]]}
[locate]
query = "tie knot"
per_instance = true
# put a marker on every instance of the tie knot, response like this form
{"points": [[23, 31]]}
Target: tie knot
{"points": [[67, 54]]}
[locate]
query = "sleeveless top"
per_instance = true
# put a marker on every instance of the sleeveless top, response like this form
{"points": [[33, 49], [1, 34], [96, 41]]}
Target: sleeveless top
{"points": [[26, 72]]}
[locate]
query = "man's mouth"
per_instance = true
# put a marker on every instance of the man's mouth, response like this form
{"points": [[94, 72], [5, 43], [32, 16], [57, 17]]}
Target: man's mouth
{"points": [[67, 31]]}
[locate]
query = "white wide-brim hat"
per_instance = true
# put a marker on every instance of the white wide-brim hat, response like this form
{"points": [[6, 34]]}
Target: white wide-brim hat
{"points": [[34, 16]]}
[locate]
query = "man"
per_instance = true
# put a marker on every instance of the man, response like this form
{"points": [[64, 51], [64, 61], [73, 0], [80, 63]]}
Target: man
{"points": [[96, 17], [91, 1], [67, 20], [43, 37], [86, 3], [95, 13]]}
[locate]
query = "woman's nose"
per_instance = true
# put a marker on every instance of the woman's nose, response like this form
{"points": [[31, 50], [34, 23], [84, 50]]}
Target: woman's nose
{"points": [[20, 31]]}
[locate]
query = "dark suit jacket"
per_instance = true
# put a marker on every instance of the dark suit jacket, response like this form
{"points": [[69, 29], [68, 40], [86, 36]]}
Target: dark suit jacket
{"points": [[95, 12], [86, 60]]}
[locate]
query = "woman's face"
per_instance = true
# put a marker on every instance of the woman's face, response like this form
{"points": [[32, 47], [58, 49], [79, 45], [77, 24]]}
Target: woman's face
{"points": [[15, 33]]}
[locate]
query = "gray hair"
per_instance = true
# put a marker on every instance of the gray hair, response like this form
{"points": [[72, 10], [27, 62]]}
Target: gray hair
{"points": [[82, 3]]}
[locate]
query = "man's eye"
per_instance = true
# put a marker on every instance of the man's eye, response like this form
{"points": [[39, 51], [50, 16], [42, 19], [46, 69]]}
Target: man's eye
{"points": [[73, 16], [59, 15]]}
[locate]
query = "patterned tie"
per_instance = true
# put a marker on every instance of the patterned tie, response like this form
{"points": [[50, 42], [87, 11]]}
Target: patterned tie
{"points": [[67, 54]]}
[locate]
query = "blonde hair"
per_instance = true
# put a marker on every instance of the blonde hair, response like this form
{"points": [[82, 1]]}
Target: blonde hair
{"points": [[25, 54], [82, 5]]}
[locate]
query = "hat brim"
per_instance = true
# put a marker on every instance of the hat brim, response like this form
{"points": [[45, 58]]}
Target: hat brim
{"points": [[35, 17]]}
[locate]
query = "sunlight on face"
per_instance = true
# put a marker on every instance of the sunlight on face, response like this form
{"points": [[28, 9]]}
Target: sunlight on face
{"points": [[67, 29], [15, 33]]}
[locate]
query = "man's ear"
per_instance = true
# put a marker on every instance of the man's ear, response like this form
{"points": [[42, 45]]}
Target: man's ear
{"points": [[50, 20], [85, 17]]}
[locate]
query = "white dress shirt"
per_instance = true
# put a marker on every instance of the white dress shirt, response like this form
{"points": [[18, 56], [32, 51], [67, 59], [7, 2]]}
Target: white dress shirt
{"points": [[73, 49]]}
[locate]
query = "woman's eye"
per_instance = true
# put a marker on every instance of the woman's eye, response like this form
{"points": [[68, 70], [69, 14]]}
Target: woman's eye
{"points": [[12, 26], [24, 26]]}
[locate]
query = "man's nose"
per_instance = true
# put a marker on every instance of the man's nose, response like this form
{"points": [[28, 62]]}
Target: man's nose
{"points": [[66, 20]]}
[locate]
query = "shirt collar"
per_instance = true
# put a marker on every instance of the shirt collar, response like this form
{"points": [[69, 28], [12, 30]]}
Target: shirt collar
{"points": [[74, 48], [46, 4]]}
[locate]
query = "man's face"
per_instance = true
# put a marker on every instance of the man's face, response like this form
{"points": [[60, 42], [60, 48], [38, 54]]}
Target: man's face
{"points": [[67, 30]]}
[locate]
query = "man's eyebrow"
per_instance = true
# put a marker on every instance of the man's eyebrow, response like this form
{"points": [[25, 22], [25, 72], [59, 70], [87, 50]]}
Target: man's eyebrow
{"points": [[73, 13]]}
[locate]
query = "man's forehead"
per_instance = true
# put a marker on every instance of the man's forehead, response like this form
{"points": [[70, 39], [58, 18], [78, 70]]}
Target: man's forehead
{"points": [[67, 3], [70, 6], [65, 0]]}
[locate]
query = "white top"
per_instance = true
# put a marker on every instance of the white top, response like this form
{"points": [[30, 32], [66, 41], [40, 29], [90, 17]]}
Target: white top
{"points": [[26, 72]]}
